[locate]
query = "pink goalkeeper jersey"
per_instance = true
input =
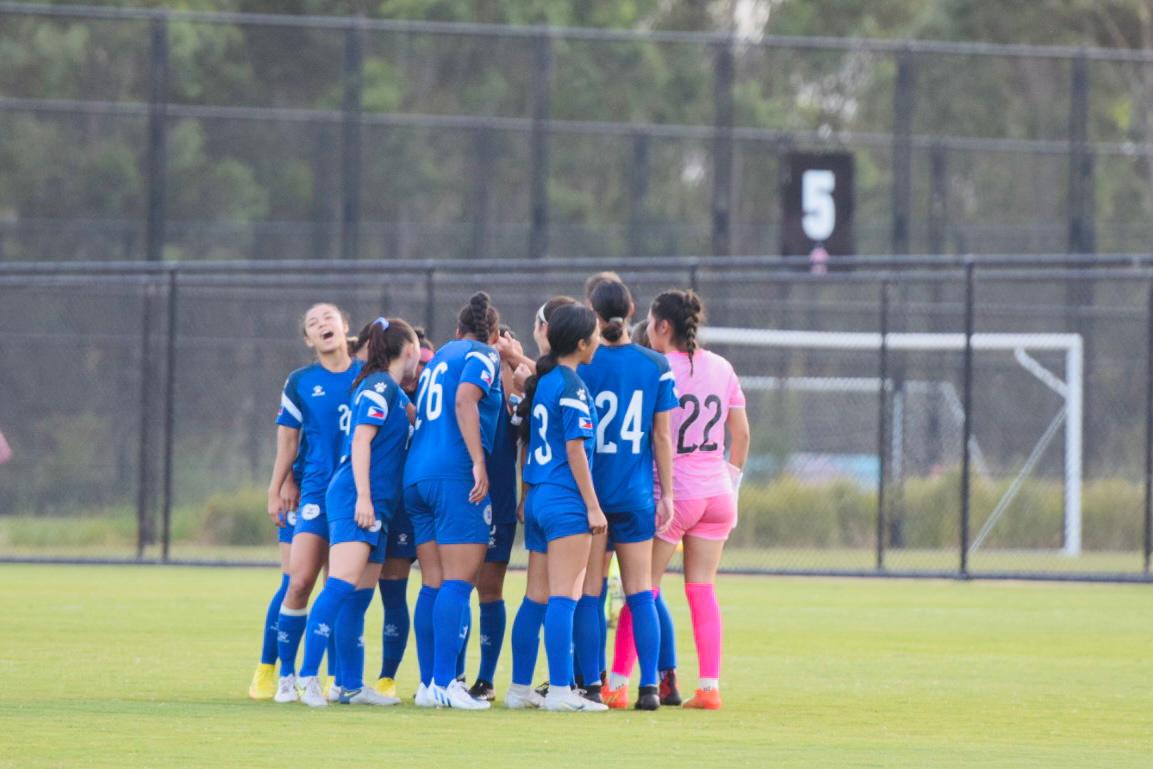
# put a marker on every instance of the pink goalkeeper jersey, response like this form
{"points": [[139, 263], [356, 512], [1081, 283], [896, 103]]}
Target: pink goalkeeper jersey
{"points": [[698, 425]]}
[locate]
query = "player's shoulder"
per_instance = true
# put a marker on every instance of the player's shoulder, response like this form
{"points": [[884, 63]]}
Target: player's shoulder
{"points": [[301, 375], [650, 357]]}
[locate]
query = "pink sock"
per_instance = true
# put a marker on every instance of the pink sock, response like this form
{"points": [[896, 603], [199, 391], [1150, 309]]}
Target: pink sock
{"points": [[706, 614], [624, 648]]}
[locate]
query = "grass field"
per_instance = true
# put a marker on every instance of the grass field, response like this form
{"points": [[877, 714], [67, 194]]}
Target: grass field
{"points": [[147, 667]]}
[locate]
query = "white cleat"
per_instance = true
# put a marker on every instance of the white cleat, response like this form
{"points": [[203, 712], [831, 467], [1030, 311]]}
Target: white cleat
{"points": [[334, 693], [456, 696], [367, 696], [286, 690], [566, 700], [424, 698], [312, 692], [522, 697]]}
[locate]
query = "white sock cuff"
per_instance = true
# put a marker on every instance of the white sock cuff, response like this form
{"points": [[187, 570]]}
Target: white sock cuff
{"points": [[293, 612], [711, 683]]}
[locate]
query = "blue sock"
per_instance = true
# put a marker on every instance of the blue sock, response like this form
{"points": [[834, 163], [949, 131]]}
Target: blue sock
{"points": [[526, 640], [586, 635], [646, 634], [394, 635], [492, 623], [350, 638], [604, 625], [446, 617], [291, 623], [321, 622], [425, 631], [558, 630], [466, 630], [668, 656], [268, 651]]}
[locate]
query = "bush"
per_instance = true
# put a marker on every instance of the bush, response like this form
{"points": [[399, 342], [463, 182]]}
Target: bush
{"points": [[235, 518]]}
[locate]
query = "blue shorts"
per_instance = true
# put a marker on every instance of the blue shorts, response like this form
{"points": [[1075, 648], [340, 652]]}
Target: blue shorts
{"points": [[627, 528], [311, 519], [284, 533], [552, 512], [401, 538], [500, 538], [440, 512], [343, 530]]}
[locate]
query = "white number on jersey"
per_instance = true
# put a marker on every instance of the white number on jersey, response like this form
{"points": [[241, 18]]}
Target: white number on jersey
{"points": [[430, 398], [543, 453], [345, 418], [631, 426]]}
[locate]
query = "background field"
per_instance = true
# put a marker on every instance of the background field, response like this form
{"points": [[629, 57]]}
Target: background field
{"points": [[147, 667]]}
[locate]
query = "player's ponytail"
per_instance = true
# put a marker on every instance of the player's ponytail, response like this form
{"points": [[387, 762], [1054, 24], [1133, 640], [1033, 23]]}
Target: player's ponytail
{"points": [[384, 339], [567, 327], [478, 318], [685, 313], [613, 302]]}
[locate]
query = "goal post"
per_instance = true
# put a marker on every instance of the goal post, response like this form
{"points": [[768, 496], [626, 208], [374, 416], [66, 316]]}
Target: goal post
{"points": [[1070, 389]]}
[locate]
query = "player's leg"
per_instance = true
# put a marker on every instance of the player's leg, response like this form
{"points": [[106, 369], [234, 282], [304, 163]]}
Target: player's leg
{"points": [[663, 551], [704, 545], [263, 686], [636, 576], [526, 627], [493, 622], [350, 636], [347, 564], [587, 621], [568, 561], [428, 554], [393, 585], [460, 563], [308, 554]]}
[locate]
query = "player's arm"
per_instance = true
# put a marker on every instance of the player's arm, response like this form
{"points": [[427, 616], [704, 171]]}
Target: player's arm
{"points": [[287, 444], [738, 426], [579, 464], [663, 454], [468, 398], [361, 459]]}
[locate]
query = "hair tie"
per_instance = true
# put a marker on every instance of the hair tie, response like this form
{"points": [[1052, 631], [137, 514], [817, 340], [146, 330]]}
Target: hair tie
{"points": [[383, 323], [540, 318], [617, 320]]}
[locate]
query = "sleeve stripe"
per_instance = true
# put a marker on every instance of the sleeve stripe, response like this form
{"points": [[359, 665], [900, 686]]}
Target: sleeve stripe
{"points": [[483, 359], [667, 375], [290, 407], [573, 403], [376, 398]]}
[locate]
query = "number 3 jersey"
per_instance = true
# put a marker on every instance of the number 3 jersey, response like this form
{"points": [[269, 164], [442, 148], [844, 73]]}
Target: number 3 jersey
{"points": [[315, 401], [630, 384], [707, 393], [561, 412]]}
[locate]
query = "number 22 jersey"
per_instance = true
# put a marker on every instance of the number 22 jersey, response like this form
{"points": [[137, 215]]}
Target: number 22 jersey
{"points": [[708, 391]]}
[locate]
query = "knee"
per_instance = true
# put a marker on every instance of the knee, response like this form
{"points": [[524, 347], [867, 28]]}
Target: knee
{"points": [[297, 594]]}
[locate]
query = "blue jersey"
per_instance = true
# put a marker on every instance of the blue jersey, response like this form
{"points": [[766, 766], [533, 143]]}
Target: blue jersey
{"points": [[438, 450], [379, 401], [560, 413], [315, 401], [298, 463], [630, 384], [502, 475]]}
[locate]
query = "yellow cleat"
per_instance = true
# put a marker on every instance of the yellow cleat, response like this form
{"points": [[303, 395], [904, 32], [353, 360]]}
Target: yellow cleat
{"points": [[386, 687], [263, 686], [329, 682]]}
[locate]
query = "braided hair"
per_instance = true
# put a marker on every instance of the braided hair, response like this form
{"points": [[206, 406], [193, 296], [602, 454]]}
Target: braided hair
{"points": [[478, 318], [685, 313], [611, 300]]}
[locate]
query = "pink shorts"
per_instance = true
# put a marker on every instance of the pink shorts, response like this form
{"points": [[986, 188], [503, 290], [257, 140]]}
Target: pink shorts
{"points": [[708, 518]]}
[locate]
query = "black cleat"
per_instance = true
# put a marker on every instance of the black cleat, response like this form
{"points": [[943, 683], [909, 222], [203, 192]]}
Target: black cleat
{"points": [[649, 699], [542, 689], [669, 693], [593, 694], [482, 690]]}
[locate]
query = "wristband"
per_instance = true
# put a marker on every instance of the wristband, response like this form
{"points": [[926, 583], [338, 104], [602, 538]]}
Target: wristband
{"points": [[515, 400]]}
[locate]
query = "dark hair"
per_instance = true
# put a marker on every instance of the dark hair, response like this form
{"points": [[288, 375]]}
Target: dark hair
{"points": [[422, 338], [640, 334], [548, 308], [683, 309], [611, 300], [478, 317], [384, 345], [569, 325], [608, 276]]}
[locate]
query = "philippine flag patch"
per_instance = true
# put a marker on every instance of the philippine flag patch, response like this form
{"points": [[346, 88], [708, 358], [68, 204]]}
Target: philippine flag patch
{"points": [[586, 423], [487, 377], [375, 413]]}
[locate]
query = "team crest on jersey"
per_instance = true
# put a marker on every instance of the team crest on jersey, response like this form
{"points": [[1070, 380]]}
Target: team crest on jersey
{"points": [[380, 387], [291, 518], [375, 527], [488, 515], [582, 395], [317, 391], [310, 512]]}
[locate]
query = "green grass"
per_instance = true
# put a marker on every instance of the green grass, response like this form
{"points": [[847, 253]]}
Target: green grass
{"points": [[147, 667]]}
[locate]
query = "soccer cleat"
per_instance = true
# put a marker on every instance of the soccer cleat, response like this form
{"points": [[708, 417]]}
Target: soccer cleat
{"points": [[386, 687], [593, 694], [263, 686], [312, 693], [648, 699], [286, 690], [367, 696], [457, 697], [333, 693], [329, 683], [542, 689], [705, 699], [568, 700], [522, 697], [482, 690], [424, 697], [670, 695], [616, 699]]}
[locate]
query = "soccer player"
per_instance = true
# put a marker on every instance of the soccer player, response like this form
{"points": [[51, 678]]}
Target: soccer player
{"points": [[361, 500], [562, 512], [314, 411], [399, 555], [705, 484], [459, 401], [634, 392]]}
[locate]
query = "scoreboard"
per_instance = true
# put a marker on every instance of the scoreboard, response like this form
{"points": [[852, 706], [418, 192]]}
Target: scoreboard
{"points": [[817, 204]]}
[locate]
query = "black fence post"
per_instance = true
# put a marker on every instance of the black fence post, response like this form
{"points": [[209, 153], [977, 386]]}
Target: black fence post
{"points": [[967, 421], [938, 201], [1148, 513], [482, 145], [902, 152], [157, 140], [723, 78], [882, 424], [638, 192], [1081, 205], [169, 417], [540, 138], [144, 459], [351, 141]]}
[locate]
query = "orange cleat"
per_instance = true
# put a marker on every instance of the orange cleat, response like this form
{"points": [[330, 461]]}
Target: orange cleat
{"points": [[616, 699], [705, 699]]}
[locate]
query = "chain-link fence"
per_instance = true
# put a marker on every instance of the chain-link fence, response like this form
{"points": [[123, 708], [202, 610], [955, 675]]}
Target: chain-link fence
{"points": [[138, 134], [980, 419]]}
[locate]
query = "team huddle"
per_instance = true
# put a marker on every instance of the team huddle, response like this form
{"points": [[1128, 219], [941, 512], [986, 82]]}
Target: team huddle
{"points": [[610, 444]]}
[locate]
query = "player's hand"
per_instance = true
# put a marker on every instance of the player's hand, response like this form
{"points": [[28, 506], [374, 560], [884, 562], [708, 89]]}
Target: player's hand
{"points": [[479, 483], [289, 494], [275, 511], [598, 524], [520, 377], [664, 514], [510, 349], [736, 475], [365, 514]]}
